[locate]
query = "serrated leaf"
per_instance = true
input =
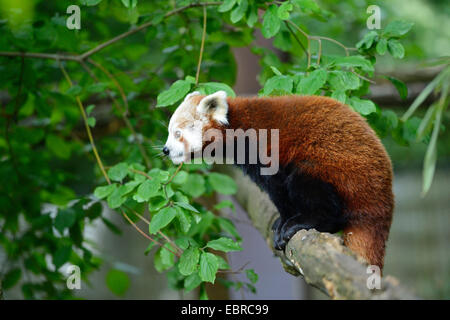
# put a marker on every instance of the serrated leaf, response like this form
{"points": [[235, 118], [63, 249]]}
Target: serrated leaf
{"points": [[397, 28], [208, 88], [209, 265], [283, 10], [339, 95], [149, 188], [364, 107], [227, 5], [104, 191], [191, 282], [186, 206], [188, 261], [312, 83], [118, 172], [354, 61], [396, 49], [175, 93], [224, 244], [194, 186], [115, 199], [278, 85], [239, 12], [221, 183], [162, 219], [343, 81], [382, 47], [271, 22]]}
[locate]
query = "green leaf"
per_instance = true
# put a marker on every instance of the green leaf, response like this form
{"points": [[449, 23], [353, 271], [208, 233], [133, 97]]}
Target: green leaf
{"points": [[382, 47], [74, 90], [354, 61], [209, 265], [400, 86], [191, 282], [396, 49], [104, 191], [227, 5], [162, 219], [271, 22], [339, 95], [188, 261], [194, 186], [364, 107], [167, 257], [239, 12], [367, 41], [175, 93], [276, 71], [65, 219], [221, 183], [61, 256], [90, 2], [212, 87], [91, 122], [129, 3], [397, 28], [228, 226], [184, 220], [278, 85], [180, 178], [89, 108], [426, 92], [343, 81], [149, 188], [118, 172], [117, 281], [251, 275], [312, 83], [283, 10], [224, 244], [186, 206], [115, 199], [11, 278], [58, 146], [429, 164]]}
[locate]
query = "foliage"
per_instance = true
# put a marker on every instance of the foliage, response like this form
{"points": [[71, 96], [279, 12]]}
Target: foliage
{"points": [[99, 101]]}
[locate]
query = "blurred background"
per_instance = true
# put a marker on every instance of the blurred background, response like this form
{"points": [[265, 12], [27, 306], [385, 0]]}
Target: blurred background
{"points": [[418, 249]]}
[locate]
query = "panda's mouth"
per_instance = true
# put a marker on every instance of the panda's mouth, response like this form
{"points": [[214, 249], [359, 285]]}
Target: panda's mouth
{"points": [[178, 158]]}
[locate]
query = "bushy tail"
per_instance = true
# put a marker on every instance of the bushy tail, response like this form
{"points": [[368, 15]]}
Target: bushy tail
{"points": [[368, 240]]}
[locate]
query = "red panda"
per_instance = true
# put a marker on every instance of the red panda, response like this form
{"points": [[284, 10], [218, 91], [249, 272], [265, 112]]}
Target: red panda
{"points": [[334, 173]]}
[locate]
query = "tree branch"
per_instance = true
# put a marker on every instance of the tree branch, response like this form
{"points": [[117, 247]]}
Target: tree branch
{"points": [[105, 44], [320, 258]]}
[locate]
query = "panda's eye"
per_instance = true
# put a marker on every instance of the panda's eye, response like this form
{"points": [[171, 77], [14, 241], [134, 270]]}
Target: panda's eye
{"points": [[177, 134]]}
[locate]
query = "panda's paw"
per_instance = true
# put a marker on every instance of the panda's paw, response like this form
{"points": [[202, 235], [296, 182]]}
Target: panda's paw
{"points": [[278, 242]]}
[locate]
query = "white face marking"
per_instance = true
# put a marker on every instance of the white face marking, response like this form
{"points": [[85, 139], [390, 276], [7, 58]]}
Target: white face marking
{"points": [[187, 123]]}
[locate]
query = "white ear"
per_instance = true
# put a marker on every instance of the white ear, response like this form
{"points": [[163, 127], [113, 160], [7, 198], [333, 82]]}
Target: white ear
{"points": [[195, 93], [216, 105]]}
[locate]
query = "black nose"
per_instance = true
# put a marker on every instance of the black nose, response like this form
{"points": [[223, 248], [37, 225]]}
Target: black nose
{"points": [[166, 151]]}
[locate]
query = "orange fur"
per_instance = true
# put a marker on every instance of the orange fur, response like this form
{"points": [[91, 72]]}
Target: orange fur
{"points": [[328, 140]]}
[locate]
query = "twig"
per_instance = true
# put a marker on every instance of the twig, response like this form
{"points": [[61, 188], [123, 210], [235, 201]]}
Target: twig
{"points": [[105, 44], [202, 46], [88, 129], [123, 112]]}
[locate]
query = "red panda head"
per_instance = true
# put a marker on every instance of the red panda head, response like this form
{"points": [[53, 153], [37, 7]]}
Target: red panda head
{"points": [[191, 121]]}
